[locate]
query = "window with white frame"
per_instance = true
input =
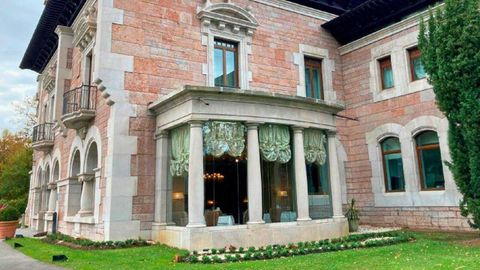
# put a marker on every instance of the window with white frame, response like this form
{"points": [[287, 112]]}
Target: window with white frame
{"points": [[227, 31]]}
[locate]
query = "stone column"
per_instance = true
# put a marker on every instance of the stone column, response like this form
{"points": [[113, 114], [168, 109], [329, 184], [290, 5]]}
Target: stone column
{"points": [[52, 200], [87, 195], [36, 200], [63, 72], [161, 177], [254, 176], [334, 176], [301, 184], [196, 187]]}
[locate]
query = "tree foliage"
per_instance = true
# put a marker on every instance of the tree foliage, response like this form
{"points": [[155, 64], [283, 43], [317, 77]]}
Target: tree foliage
{"points": [[15, 164], [450, 45]]}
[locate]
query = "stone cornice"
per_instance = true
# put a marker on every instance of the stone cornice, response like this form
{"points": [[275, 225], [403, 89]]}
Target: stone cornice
{"points": [[85, 26], [300, 9], [388, 31], [227, 15]]}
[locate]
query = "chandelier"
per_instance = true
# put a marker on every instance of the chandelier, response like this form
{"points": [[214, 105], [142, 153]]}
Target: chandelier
{"points": [[213, 177]]}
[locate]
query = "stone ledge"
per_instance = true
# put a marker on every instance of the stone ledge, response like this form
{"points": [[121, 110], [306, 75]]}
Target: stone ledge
{"points": [[246, 236], [82, 220]]}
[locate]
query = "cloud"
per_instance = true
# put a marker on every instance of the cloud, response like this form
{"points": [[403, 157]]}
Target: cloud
{"points": [[19, 19]]}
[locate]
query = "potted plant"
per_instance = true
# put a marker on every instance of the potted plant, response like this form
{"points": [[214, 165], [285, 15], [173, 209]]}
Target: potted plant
{"points": [[352, 216], [9, 217]]}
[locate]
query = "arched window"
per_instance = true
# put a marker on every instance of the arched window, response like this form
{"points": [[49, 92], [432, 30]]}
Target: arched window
{"points": [[392, 165], [429, 161]]}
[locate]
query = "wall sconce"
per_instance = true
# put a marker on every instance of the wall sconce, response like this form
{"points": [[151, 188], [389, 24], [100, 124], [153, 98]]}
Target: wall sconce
{"points": [[282, 193], [210, 202], [178, 196]]}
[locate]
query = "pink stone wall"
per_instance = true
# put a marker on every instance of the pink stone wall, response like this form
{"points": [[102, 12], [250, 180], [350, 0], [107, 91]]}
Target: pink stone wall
{"points": [[400, 110], [164, 37]]}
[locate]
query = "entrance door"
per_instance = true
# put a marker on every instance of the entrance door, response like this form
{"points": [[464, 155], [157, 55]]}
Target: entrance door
{"points": [[225, 190]]}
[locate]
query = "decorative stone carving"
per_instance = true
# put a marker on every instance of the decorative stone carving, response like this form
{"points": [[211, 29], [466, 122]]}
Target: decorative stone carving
{"points": [[85, 177], [227, 15], [85, 27]]}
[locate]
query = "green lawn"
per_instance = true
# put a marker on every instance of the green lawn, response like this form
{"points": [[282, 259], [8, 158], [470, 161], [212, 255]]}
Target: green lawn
{"points": [[429, 251]]}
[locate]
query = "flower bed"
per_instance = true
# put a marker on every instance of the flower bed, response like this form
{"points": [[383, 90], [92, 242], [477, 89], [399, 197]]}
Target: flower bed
{"points": [[81, 243], [233, 254]]}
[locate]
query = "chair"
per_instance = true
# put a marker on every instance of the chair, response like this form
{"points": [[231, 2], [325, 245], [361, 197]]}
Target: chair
{"points": [[288, 216], [267, 218], [226, 221]]}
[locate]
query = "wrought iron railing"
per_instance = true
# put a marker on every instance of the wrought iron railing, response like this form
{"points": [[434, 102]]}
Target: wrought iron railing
{"points": [[43, 132], [81, 98]]}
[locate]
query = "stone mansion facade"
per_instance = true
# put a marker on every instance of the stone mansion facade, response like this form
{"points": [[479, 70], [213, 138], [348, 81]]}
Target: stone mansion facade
{"points": [[205, 123]]}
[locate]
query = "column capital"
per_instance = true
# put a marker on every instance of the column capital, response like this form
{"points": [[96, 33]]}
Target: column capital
{"points": [[252, 125], [52, 185], [161, 134], [85, 177], [64, 30], [196, 123], [298, 129], [331, 133]]}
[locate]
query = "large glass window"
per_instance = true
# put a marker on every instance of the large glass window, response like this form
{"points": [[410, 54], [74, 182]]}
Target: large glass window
{"points": [[225, 168], [430, 161], [226, 63], [279, 200], [318, 178], [313, 78], [178, 176], [417, 69], [392, 165], [386, 72]]}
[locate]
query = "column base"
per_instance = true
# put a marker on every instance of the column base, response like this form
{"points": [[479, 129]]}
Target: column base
{"points": [[303, 219], [196, 225], [255, 222]]}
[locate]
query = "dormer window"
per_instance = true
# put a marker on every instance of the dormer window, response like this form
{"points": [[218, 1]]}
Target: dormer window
{"points": [[226, 63]]}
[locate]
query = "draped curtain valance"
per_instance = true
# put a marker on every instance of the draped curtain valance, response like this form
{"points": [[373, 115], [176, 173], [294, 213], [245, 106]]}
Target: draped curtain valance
{"points": [[224, 137], [314, 145], [180, 150], [275, 143]]}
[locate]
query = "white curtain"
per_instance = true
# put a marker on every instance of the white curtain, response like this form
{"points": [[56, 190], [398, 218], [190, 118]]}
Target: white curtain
{"points": [[314, 145], [275, 143], [180, 150], [224, 137]]}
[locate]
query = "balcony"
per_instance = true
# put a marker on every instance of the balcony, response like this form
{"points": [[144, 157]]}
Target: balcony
{"points": [[43, 137], [79, 106]]}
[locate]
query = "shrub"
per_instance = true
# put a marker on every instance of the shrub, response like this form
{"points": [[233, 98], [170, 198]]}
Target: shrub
{"points": [[206, 259], [9, 213]]}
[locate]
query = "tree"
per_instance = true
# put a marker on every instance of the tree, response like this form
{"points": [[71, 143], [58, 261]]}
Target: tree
{"points": [[10, 144], [15, 179], [15, 164], [25, 115], [450, 45]]}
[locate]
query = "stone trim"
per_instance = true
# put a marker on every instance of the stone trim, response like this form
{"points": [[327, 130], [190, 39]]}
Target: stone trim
{"points": [[388, 31], [413, 195], [403, 84], [241, 105], [328, 67], [218, 25], [299, 9], [85, 26], [120, 186]]}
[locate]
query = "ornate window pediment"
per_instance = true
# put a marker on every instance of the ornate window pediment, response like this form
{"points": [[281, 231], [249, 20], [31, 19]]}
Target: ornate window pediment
{"points": [[85, 27], [228, 15], [230, 22]]}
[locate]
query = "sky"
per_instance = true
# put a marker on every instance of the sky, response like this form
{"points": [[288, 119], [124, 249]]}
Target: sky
{"points": [[18, 19]]}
